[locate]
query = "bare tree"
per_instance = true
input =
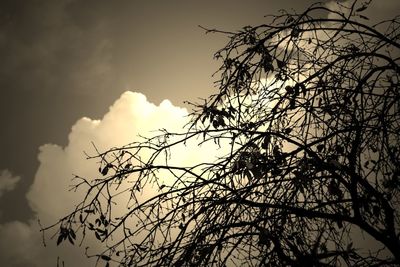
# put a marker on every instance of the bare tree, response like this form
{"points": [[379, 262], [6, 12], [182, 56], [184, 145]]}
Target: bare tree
{"points": [[308, 112]]}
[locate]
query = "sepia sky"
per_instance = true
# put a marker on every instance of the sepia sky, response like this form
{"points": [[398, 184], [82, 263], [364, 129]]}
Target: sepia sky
{"points": [[65, 59], [65, 68]]}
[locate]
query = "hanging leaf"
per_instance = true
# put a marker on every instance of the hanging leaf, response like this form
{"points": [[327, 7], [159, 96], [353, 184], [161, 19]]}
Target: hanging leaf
{"points": [[89, 211], [266, 141], [102, 232], [303, 89], [362, 8], [333, 189], [263, 237], [320, 147], [292, 103], [288, 130], [70, 240], [60, 239], [280, 64], [106, 258], [97, 235], [373, 148], [289, 89], [232, 110], [295, 33], [102, 218], [349, 246], [215, 124], [127, 166], [72, 233], [267, 65], [366, 164], [221, 121], [105, 170]]}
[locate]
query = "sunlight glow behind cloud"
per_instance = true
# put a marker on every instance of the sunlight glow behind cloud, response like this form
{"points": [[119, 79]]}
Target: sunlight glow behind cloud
{"points": [[49, 197]]}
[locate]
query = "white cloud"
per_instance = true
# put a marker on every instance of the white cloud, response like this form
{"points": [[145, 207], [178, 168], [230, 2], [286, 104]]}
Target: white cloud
{"points": [[7, 181], [49, 197], [21, 245], [129, 116], [16, 245]]}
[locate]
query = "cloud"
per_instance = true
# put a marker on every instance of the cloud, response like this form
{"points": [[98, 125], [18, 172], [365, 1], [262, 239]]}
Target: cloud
{"points": [[7, 181], [16, 246], [131, 114]]}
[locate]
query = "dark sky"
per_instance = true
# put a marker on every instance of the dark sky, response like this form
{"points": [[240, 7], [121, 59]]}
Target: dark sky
{"points": [[62, 60]]}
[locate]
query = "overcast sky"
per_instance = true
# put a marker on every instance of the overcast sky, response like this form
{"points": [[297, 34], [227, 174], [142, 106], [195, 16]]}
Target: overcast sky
{"points": [[64, 63]]}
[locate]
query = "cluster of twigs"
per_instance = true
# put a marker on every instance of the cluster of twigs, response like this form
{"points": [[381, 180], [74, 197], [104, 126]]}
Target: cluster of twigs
{"points": [[308, 112]]}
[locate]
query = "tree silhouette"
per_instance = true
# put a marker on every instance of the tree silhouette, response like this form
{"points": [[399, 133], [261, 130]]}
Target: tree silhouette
{"points": [[308, 112]]}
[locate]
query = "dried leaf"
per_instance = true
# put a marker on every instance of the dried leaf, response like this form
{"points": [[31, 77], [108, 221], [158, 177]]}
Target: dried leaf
{"points": [[289, 89], [280, 63], [60, 239], [104, 257], [89, 211], [105, 170], [360, 9], [266, 142], [295, 33], [320, 148], [97, 235], [72, 233], [288, 130], [70, 240]]}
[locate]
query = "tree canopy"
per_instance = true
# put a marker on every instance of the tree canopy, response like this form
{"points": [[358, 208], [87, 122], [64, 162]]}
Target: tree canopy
{"points": [[307, 114]]}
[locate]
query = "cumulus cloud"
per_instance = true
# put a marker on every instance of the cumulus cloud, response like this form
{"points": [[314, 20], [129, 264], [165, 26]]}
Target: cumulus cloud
{"points": [[7, 181], [129, 116]]}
